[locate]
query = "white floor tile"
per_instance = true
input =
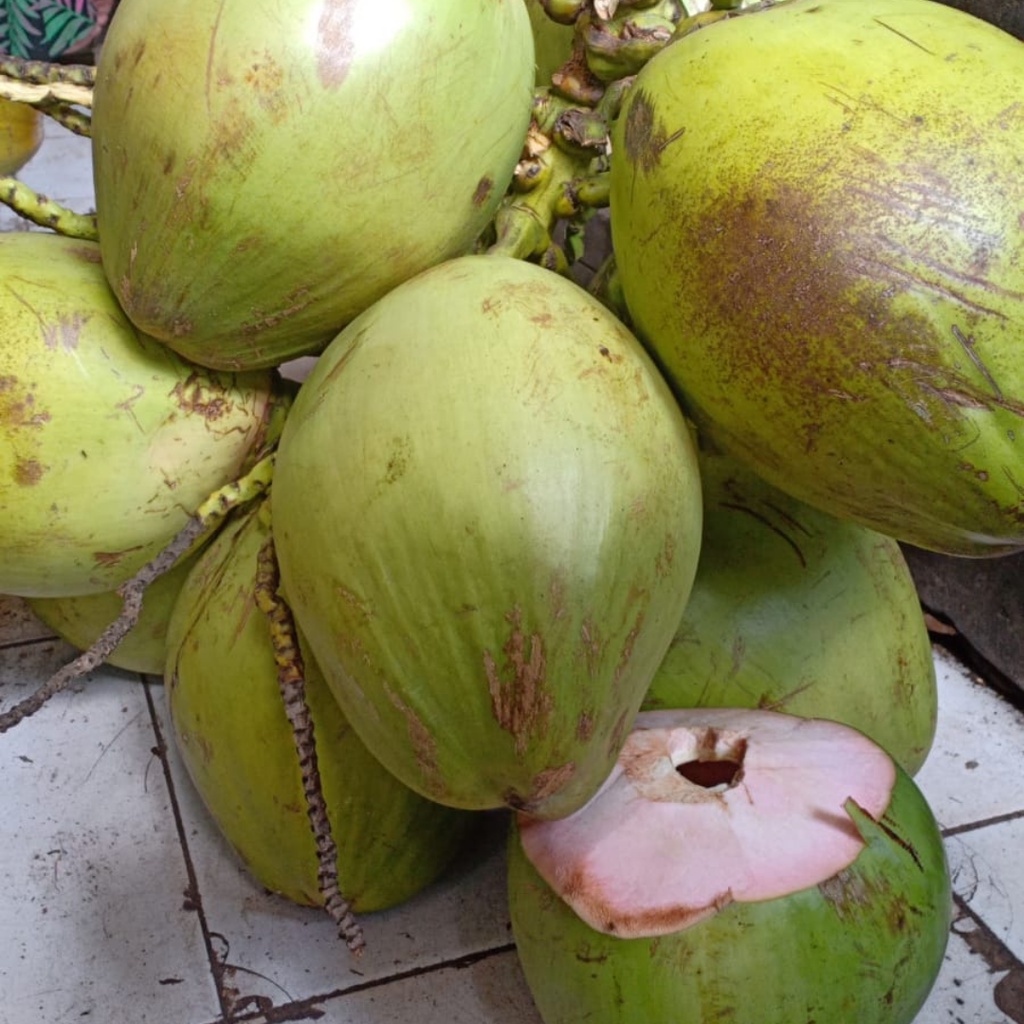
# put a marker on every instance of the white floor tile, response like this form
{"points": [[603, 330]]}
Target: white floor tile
{"points": [[491, 990], [964, 992], [18, 624], [258, 933], [987, 873], [973, 772], [93, 925]]}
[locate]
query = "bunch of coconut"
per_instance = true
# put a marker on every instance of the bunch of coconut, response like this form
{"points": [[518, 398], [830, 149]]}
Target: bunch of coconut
{"points": [[630, 576]]}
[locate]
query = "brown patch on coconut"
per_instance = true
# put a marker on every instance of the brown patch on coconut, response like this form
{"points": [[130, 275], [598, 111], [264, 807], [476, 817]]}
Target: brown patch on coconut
{"points": [[108, 558], [545, 784], [768, 792], [424, 745], [520, 700], [18, 409], [646, 137], [483, 190], [28, 472], [195, 396]]}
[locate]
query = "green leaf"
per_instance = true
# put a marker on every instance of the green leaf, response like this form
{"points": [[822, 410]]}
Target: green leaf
{"points": [[64, 28]]}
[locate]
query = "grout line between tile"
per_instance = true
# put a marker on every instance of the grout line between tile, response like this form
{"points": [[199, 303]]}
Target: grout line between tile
{"points": [[974, 826], [310, 1008], [193, 897], [13, 645]]}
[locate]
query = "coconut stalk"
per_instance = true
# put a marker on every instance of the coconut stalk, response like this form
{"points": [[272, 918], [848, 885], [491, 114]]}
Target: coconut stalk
{"points": [[561, 178], [40, 94], [206, 518], [39, 72], [292, 682], [60, 91], [63, 93], [45, 212]]}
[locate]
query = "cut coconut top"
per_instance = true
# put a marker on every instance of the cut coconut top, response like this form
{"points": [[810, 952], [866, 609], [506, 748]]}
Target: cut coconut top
{"points": [[706, 807]]}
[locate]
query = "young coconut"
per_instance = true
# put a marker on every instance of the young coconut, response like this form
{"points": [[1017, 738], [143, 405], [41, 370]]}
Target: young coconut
{"points": [[552, 42], [487, 511], [108, 440], [230, 727], [816, 218], [794, 610], [737, 866], [21, 135], [307, 156]]}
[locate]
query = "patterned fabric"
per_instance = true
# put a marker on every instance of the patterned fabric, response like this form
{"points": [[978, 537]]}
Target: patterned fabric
{"points": [[49, 29]]}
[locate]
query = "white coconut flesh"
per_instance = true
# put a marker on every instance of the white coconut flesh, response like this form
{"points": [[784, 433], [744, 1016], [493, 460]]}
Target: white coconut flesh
{"points": [[707, 807]]}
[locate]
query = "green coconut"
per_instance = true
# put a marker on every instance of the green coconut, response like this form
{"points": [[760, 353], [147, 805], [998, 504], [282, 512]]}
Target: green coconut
{"points": [[794, 610], [738, 867], [109, 441], [552, 41], [21, 135], [487, 512], [815, 210], [80, 620], [228, 721], [264, 171]]}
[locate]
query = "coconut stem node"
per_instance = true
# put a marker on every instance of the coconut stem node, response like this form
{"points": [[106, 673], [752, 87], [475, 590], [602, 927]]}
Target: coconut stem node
{"points": [[292, 683], [40, 72], [206, 518], [560, 177], [67, 115], [45, 212]]}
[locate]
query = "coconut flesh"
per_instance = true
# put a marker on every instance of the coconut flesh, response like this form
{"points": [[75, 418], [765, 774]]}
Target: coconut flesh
{"points": [[770, 806], [788, 863]]}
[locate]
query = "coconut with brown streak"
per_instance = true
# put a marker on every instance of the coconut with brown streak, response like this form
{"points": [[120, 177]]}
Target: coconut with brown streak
{"points": [[110, 440], [817, 216], [487, 512]]}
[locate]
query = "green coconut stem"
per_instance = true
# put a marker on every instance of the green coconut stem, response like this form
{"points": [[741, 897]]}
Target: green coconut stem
{"points": [[206, 518], [68, 116], [292, 683], [565, 12], [620, 44], [45, 212], [554, 180], [40, 72]]}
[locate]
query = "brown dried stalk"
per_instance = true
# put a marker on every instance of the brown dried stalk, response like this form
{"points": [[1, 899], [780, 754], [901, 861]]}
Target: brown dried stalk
{"points": [[206, 518], [292, 682]]}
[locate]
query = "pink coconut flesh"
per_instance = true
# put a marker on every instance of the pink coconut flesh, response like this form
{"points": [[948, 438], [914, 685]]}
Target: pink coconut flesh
{"points": [[654, 852]]}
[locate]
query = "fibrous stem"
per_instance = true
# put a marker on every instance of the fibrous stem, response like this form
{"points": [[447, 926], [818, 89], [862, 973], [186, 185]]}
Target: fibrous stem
{"points": [[292, 683], [45, 212]]}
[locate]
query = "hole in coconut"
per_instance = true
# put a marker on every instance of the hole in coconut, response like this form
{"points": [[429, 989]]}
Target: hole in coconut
{"points": [[715, 775]]}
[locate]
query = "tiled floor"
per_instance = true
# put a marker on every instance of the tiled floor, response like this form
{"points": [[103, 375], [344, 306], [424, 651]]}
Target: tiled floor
{"points": [[122, 905]]}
